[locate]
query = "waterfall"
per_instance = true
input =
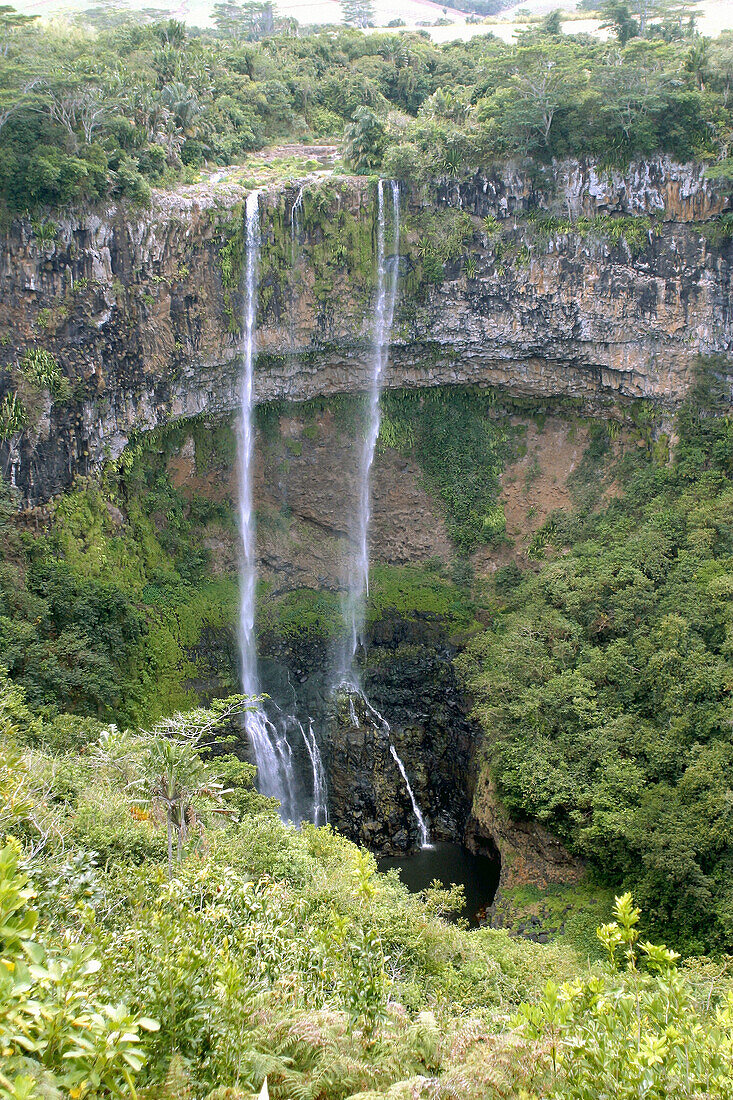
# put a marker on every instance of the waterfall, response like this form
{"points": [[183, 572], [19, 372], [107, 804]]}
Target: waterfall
{"points": [[272, 736], [248, 562], [382, 721], [424, 834], [320, 807], [295, 212], [353, 693], [271, 755], [358, 579], [358, 576]]}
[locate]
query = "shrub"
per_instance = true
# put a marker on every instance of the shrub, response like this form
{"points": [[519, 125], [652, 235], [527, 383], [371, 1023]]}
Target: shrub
{"points": [[40, 367], [56, 1031], [636, 1028]]}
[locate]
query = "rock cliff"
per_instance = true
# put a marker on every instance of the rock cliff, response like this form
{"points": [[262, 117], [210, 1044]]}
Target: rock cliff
{"points": [[595, 285]]}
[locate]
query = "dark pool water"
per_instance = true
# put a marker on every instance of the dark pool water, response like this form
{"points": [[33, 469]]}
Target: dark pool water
{"points": [[452, 864]]}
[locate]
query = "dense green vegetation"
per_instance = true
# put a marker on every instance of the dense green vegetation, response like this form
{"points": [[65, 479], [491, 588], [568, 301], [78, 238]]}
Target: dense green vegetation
{"points": [[182, 940], [109, 107], [163, 935], [107, 603], [604, 682], [462, 451]]}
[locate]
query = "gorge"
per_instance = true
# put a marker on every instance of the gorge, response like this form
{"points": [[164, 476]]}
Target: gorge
{"points": [[366, 553], [563, 294]]}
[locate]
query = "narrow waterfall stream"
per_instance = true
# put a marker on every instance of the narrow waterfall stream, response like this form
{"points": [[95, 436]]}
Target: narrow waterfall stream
{"points": [[358, 575], [248, 562], [424, 834], [273, 738]]}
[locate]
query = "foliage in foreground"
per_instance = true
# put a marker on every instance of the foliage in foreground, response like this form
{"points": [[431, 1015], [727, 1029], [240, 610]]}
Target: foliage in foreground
{"points": [[269, 952], [635, 1028], [57, 1034], [278, 954]]}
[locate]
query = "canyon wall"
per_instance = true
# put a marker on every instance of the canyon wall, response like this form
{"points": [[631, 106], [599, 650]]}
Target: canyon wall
{"points": [[571, 281]]}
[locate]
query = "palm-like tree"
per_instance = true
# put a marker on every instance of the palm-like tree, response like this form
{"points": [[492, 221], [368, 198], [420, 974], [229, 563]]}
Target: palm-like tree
{"points": [[175, 777]]}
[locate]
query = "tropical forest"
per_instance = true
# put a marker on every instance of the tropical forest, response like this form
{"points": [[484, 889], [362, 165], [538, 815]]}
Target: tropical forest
{"points": [[366, 550]]}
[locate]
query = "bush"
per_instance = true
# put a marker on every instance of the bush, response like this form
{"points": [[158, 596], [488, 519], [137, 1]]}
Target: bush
{"points": [[404, 162], [131, 184], [641, 1027], [152, 163], [56, 1030], [366, 140]]}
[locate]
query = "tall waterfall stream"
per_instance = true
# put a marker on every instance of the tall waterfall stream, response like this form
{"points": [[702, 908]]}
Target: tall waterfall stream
{"points": [[273, 732], [358, 577]]}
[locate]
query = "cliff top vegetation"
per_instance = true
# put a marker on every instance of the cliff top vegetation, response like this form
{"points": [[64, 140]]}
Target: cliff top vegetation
{"points": [[108, 107]]}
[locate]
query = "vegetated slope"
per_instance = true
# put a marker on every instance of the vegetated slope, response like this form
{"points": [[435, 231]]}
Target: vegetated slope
{"points": [[93, 112], [283, 954], [164, 935], [604, 682]]}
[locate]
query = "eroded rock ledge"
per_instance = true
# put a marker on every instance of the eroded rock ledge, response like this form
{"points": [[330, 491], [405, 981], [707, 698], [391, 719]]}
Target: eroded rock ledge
{"points": [[135, 308]]}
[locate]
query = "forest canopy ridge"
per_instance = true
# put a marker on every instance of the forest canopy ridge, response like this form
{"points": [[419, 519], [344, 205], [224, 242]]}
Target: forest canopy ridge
{"points": [[96, 112]]}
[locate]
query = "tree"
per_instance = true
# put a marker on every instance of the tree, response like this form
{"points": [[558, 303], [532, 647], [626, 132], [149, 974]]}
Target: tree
{"points": [[366, 139], [543, 80], [175, 777], [78, 107], [631, 91], [248, 22], [358, 13], [551, 25], [11, 21], [617, 17], [669, 12]]}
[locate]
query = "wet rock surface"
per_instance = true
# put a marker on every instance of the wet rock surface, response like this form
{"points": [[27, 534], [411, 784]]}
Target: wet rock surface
{"points": [[133, 306], [412, 685], [529, 852]]}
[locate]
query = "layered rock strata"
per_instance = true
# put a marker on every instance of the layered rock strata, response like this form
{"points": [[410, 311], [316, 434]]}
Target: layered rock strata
{"points": [[134, 308]]}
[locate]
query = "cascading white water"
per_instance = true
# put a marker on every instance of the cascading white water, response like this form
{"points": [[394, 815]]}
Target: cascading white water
{"points": [[272, 739], [424, 834], [295, 215], [248, 564], [380, 721], [295, 212], [271, 756], [358, 578], [320, 804]]}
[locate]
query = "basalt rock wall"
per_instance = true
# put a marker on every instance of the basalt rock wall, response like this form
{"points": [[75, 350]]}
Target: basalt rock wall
{"points": [[140, 308]]}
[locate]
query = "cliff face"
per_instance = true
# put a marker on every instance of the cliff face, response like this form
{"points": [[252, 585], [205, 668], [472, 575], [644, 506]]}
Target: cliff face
{"points": [[140, 308]]}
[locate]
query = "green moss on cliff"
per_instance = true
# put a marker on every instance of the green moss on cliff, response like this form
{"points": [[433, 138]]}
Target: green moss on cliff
{"points": [[395, 591], [173, 663], [409, 591], [433, 239], [462, 447], [231, 259], [633, 230]]}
